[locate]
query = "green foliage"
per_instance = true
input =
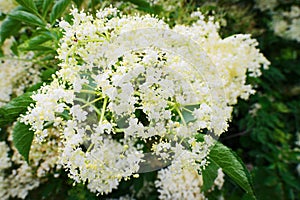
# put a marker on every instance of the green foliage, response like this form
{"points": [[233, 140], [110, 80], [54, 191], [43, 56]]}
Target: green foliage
{"points": [[29, 5], [37, 41], [222, 157], [22, 139], [209, 174], [11, 111], [8, 27], [26, 17], [265, 129], [58, 9], [46, 6]]}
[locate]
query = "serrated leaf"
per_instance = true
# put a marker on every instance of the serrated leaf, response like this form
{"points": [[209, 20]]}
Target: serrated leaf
{"points": [[12, 110], [8, 28], [58, 9], [46, 6], [29, 5], [232, 166], [209, 175], [27, 17], [22, 139]]}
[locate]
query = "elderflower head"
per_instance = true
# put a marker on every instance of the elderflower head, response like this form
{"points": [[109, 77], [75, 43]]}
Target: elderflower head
{"points": [[128, 80], [7, 5], [286, 24], [4, 159], [265, 5], [23, 177], [5, 163], [15, 74], [184, 184]]}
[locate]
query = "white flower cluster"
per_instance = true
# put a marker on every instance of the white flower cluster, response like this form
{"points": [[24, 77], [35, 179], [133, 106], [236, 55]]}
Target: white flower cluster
{"points": [[15, 74], [219, 181], [287, 24], [7, 5], [171, 5], [43, 160], [265, 5], [5, 161], [184, 185], [120, 88], [228, 55], [4, 164]]}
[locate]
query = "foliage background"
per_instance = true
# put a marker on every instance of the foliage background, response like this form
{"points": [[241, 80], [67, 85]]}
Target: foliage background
{"points": [[264, 130]]}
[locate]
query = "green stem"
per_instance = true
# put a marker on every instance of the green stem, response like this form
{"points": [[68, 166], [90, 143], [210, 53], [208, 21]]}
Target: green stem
{"points": [[91, 102], [89, 92], [86, 85], [72, 49], [94, 107], [103, 110], [180, 115], [89, 40], [90, 147], [119, 130], [93, 8], [187, 110]]}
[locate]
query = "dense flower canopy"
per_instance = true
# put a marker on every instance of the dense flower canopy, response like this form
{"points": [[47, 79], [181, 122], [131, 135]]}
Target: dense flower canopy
{"points": [[106, 111]]}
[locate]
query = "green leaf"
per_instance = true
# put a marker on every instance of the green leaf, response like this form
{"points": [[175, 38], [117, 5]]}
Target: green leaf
{"points": [[22, 139], [58, 9], [36, 43], [78, 3], [27, 17], [35, 87], [14, 48], [47, 74], [12, 110], [8, 28], [282, 107], [187, 113], [46, 6], [232, 165], [29, 5], [39, 39], [209, 175], [41, 48]]}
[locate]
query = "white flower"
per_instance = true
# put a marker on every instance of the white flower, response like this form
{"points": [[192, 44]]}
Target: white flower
{"points": [[120, 80], [179, 186], [286, 24], [266, 5], [4, 159]]}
